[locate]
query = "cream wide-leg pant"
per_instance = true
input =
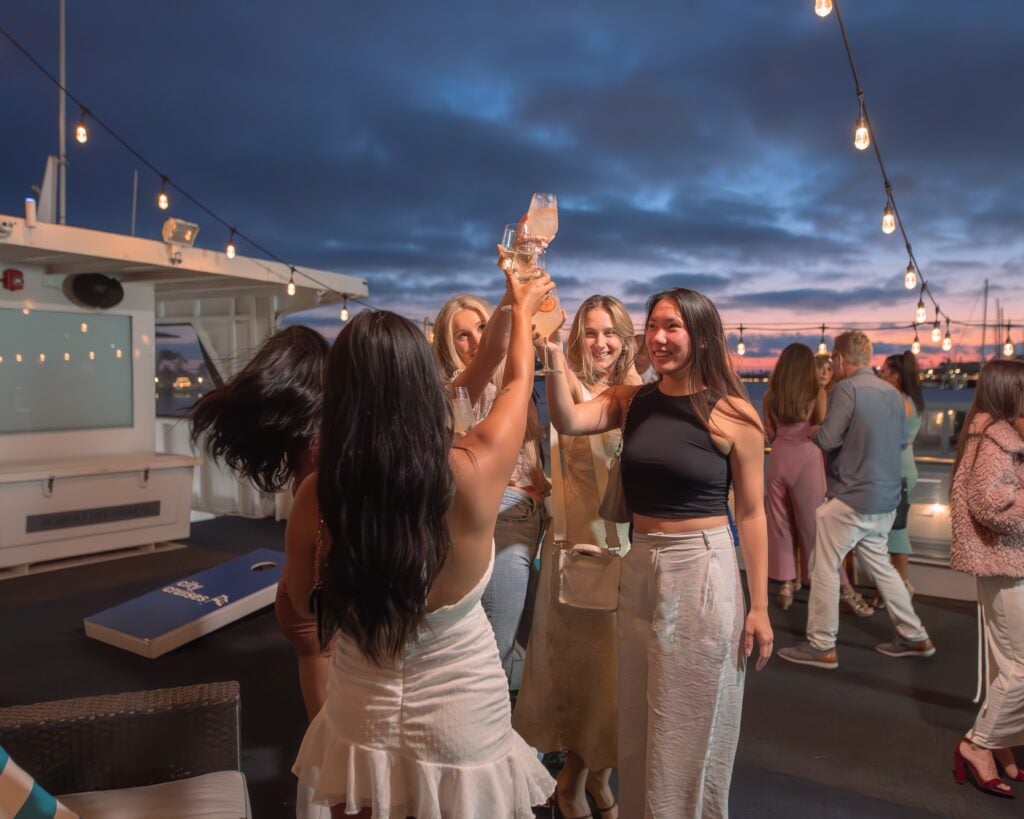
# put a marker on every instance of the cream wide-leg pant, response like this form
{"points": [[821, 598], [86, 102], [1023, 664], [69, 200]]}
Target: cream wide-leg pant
{"points": [[681, 669], [1000, 722]]}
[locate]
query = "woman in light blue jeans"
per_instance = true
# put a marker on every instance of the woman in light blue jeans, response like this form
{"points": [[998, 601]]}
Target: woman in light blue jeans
{"points": [[516, 535]]}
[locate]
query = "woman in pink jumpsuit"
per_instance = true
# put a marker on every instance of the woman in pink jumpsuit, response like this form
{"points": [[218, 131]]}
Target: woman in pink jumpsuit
{"points": [[793, 404]]}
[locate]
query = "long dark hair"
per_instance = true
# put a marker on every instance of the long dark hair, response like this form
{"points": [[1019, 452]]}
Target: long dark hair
{"points": [[710, 362], [999, 394], [384, 484], [905, 366], [792, 386], [263, 422]]}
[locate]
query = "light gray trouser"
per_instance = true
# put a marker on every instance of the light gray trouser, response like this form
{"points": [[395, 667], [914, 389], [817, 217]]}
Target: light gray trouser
{"points": [[838, 530], [1000, 723]]}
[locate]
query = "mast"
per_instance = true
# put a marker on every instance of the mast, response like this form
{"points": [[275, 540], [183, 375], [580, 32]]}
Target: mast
{"points": [[62, 123], [984, 321]]}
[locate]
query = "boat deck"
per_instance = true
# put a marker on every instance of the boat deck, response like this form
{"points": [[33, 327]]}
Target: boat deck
{"points": [[874, 738]]}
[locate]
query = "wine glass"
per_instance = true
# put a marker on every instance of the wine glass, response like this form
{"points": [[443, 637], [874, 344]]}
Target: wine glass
{"points": [[542, 218], [546, 320], [462, 410]]}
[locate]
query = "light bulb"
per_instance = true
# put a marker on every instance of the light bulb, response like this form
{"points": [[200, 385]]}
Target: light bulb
{"points": [[344, 314], [823, 8], [291, 287], [1008, 348], [861, 134], [915, 348], [947, 342], [81, 132], [910, 279], [936, 332], [162, 201], [822, 347], [888, 219], [230, 249], [921, 315], [741, 348]]}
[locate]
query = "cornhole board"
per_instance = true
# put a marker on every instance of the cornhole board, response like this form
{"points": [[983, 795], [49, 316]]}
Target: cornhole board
{"points": [[166, 618]]}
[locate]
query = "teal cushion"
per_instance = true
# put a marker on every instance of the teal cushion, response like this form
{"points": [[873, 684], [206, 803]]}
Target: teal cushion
{"points": [[21, 797]]}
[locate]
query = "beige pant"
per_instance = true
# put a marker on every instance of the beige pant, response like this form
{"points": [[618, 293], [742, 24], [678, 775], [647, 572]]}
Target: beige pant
{"points": [[838, 530], [681, 668], [1000, 723]]}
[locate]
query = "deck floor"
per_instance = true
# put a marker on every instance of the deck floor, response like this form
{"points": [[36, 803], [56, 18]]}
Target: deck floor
{"points": [[873, 739]]}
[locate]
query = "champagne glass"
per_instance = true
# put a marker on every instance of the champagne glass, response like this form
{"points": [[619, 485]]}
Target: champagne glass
{"points": [[542, 218], [462, 410], [546, 320]]}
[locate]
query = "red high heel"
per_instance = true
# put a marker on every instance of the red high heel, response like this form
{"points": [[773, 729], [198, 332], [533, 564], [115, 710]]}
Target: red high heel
{"points": [[963, 766], [1001, 767]]}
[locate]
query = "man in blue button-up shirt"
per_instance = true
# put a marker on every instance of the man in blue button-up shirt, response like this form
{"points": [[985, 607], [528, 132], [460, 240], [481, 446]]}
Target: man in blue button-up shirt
{"points": [[863, 433]]}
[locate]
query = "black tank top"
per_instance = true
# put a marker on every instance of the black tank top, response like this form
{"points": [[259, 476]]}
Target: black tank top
{"points": [[671, 468]]}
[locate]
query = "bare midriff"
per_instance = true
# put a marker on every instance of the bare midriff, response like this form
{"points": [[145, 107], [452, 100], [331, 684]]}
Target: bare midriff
{"points": [[644, 525]]}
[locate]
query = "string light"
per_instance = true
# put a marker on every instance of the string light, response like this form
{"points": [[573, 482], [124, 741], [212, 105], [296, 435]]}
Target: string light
{"points": [[230, 249], [936, 327], [1008, 348], [162, 201], [888, 219], [921, 315], [291, 283], [915, 347], [741, 347], [910, 277], [344, 310], [823, 8], [81, 132], [947, 341], [822, 346], [861, 133]]}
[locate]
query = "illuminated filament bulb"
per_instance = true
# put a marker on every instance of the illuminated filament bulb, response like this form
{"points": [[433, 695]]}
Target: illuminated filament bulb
{"points": [[81, 132], [343, 315], [162, 201], [910, 278], [947, 341], [936, 331], [741, 348], [823, 8], [230, 249], [1008, 348], [921, 315], [888, 219], [861, 134], [822, 346], [915, 348], [291, 283]]}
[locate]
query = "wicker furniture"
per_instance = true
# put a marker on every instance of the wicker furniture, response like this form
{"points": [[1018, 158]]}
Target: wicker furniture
{"points": [[120, 741]]}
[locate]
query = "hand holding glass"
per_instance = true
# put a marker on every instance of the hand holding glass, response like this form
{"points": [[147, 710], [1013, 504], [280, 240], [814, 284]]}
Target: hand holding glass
{"points": [[462, 410]]}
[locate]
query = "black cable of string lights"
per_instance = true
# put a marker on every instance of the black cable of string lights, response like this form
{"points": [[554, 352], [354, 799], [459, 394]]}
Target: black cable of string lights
{"points": [[166, 180], [890, 198]]}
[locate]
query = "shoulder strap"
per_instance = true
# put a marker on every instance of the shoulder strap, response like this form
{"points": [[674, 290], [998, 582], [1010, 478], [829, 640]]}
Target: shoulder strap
{"points": [[557, 498]]}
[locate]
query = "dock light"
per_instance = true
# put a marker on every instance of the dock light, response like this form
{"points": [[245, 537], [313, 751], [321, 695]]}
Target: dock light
{"points": [[915, 348], [230, 249], [162, 201], [179, 232], [291, 283], [343, 315], [910, 277], [1008, 348], [861, 134], [823, 8], [81, 132], [888, 219], [921, 315], [741, 348]]}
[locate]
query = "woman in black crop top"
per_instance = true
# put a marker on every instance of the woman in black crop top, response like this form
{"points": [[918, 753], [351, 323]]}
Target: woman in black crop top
{"points": [[683, 634]]}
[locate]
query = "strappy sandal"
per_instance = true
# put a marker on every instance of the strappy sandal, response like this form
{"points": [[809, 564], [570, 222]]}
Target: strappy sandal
{"points": [[853, 602], [614, 806]]}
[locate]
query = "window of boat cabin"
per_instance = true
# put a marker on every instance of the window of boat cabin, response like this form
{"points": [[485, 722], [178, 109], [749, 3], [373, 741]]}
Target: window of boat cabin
{"points": [[64, 371], [184, 370]]}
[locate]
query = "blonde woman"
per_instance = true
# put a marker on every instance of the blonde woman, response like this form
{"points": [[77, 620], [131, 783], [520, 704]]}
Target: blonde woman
{"points": [[554, 710], [470, 340]]}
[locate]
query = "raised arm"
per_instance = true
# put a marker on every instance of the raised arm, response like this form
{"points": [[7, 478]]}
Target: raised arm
{"points": [[492, 349], [600, 414]]}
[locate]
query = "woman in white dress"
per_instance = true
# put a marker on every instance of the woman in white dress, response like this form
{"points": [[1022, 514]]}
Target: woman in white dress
{"points": [[554, 711], [417, 719]]}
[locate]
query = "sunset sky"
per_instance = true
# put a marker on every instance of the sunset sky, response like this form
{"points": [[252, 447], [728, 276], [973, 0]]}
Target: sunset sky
{"points": [[701, 144]]}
